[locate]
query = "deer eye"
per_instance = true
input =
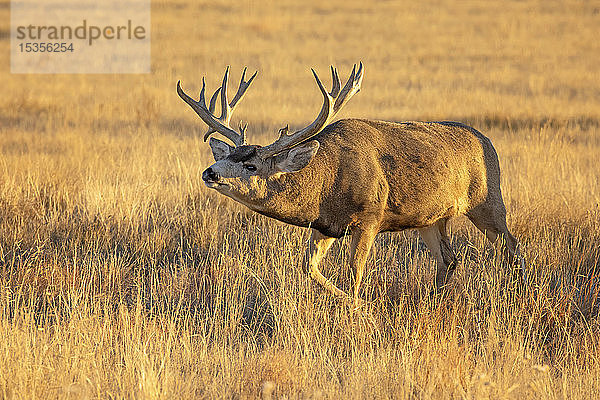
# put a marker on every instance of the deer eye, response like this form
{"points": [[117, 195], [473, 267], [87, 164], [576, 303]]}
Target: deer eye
{"points": [[250, 167]]}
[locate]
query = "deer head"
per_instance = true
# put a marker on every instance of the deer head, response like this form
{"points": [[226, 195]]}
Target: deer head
{"points": [[241, 170]]}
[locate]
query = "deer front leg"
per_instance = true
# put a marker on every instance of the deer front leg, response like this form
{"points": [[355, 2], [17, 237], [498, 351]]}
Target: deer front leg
{"points": [[362, 240], [319, 244]]}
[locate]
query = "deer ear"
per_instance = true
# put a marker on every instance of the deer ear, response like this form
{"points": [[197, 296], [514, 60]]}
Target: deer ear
{"points": [[297, 157], [219, 148]]}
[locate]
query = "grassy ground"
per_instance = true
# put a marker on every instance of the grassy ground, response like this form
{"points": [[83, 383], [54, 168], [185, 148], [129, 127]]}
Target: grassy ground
{"points": [[122, 276]]}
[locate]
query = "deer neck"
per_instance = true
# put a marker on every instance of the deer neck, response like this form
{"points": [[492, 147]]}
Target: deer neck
{"points": [[284, 197]]}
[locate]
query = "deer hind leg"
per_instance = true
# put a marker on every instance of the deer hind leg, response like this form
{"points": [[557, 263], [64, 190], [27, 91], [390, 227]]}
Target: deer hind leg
{"points": [[447, 253], [491, 220], [438, 242], [319, 244]]}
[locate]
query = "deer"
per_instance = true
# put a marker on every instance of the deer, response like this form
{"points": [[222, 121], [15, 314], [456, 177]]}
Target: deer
{"points": [[359, 177]]}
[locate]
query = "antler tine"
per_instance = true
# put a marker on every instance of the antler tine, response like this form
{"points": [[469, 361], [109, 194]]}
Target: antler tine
{"points": [[201, 100], [335, 90], [332, 103], [244, 85], [326, 95], [211, 109], [351, 87], [243, 129], [225, 109], [346, 89], [283, 131], [207, 114], [213, 101]]}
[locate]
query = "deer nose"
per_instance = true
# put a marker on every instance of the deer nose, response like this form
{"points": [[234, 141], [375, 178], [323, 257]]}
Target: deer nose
{"points": [[209, 175]]}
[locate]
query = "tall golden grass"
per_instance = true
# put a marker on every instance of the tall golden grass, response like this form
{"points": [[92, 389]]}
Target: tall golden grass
{"points": [[121, 276]]}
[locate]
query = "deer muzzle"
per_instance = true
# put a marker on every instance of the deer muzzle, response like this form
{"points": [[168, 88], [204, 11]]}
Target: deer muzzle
{"points": [[211, 178]]}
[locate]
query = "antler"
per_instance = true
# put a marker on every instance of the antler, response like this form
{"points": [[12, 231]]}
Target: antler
{"points": [[221, 124], [332, 103]]}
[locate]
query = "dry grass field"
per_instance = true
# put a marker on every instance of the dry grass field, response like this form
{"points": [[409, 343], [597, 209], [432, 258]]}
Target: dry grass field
{"points": [[122, 276]]}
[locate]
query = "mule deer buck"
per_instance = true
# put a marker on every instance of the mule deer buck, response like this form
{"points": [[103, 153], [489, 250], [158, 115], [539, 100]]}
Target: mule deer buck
{"points": [[359, 177]]}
